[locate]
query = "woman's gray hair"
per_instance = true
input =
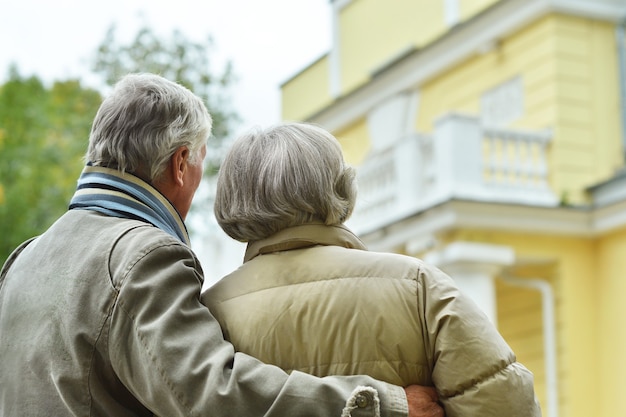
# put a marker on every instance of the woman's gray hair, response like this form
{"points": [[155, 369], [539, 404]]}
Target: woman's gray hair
{"points": [[287, 175], [144, 120]]}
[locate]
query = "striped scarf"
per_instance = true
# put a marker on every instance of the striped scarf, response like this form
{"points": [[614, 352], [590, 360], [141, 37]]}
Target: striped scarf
{"points": [[117, 194]]}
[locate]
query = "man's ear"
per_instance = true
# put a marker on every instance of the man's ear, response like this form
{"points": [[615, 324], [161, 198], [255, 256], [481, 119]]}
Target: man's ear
{"points": [[178, 165]]}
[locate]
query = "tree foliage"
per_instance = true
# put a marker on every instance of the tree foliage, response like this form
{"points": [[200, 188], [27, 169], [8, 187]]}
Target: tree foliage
{"points": [[44, 130], [43, 136], [178, 59]]}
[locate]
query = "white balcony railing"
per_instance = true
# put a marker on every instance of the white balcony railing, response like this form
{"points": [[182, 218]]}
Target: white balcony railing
{"points": [[461, 159]]}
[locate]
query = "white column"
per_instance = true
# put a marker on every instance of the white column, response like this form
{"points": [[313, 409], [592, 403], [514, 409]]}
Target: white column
{"points": [[458, 155], [335, 53], [474, 266], [451, 12]]}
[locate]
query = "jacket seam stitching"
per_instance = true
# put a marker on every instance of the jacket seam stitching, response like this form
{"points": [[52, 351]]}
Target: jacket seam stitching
{"points": [[147, 350]]}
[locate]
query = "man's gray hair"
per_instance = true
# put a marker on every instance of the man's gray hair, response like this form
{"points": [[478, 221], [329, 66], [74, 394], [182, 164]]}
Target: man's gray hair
{"points": [[144, 120], [287, 175]]}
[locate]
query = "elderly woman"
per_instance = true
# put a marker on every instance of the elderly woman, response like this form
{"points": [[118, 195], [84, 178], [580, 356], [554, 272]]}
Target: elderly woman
{"points": [[310, 297]]}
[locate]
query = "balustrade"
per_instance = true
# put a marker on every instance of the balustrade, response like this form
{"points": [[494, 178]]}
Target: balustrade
{"points": [[461, 159]]}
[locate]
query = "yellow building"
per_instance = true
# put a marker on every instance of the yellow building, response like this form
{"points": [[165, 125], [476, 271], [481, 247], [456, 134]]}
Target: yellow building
{"points": [[489, 139]]}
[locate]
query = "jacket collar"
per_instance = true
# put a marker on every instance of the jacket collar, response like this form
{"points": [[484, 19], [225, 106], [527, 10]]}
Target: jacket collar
{"points": [[304, 236]]}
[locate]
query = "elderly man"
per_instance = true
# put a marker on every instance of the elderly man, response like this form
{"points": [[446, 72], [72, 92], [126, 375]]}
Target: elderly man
{"points": [[100, 315]]}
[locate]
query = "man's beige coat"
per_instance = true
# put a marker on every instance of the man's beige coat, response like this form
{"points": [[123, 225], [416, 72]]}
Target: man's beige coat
{"points": [[101, 316]]}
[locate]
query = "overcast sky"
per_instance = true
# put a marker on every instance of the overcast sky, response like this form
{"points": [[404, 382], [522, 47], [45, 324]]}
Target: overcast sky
{"points": [[267, 41]]}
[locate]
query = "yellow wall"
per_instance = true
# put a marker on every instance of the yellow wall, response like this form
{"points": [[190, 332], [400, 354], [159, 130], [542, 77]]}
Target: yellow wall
{"points": [[372, 33], [587, 119], [567, 263], [354, 142], [610, 278], [520, 323], [469, 8], [527, 54], [568, 67], [569, 74], [307, 92]]}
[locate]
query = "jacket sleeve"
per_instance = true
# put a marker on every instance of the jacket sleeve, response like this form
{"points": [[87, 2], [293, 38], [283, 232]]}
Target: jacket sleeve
{"points": [[474, 370], [170, 353]]}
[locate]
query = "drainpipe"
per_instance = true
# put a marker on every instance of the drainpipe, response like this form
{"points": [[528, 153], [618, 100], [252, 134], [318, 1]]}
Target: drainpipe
{"points": [[621, 56], [549, 338]]}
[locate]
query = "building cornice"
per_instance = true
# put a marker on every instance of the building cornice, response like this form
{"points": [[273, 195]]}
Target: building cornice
{"points": [[460, 43], [582, 222]]}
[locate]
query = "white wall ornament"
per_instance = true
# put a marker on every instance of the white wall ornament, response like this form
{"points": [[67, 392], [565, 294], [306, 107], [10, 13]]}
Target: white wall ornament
{"points": [[503, 104]]}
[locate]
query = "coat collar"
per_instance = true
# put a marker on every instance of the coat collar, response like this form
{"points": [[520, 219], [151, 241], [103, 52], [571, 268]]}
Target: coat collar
{"points": [[304, 236]]}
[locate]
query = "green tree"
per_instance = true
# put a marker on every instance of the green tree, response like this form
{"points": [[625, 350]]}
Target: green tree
{"points": [[178, 59], [43, 136], [44, 130]]}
